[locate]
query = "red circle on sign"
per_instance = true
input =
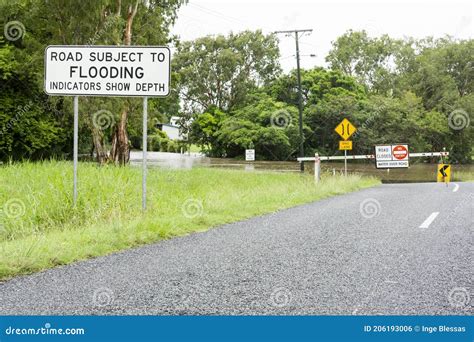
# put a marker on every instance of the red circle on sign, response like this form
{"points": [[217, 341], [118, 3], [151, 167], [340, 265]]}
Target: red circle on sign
{"points": [[400, 152]]}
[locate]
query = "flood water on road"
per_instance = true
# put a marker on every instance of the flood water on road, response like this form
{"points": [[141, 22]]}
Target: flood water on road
{"points": [[417, 172]]}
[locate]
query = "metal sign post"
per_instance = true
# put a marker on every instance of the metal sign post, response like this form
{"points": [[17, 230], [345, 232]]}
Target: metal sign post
{"points": [[145, 149], [76, 146], [345, 163]]}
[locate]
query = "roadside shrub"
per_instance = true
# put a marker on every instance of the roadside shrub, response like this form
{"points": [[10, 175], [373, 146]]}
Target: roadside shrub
{"points": [[159, 142], [173, 146]]}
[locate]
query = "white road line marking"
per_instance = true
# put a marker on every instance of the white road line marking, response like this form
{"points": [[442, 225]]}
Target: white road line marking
{"points": [[456, 187], [429, 220]]}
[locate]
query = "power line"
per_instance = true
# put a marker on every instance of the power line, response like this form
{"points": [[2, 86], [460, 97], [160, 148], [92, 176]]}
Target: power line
{"points": [[228, 18], [297, 34], [216, 13]]}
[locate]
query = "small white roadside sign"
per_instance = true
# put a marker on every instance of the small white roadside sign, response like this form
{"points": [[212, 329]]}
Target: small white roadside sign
{"points": [[391, 156], [250, 155], [107, 70]]}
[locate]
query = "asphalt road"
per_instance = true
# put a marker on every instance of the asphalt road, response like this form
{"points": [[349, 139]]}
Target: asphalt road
{"points": [[363, 253]]}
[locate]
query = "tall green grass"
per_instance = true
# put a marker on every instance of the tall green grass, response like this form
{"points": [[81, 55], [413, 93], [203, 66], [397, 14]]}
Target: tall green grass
{"points": [[39, 227], [463, 176]]}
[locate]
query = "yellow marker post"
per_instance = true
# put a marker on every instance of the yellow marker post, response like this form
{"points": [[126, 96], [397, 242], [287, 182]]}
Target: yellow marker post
{"points": [[444, 173]]}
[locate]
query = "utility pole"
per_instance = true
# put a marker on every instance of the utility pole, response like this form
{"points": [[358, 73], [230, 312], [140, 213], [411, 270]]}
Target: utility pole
{"points": [[300, 96]]}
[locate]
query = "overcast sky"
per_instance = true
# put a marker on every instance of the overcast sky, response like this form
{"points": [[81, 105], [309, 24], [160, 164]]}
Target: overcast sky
{"points": [[328, 19]]}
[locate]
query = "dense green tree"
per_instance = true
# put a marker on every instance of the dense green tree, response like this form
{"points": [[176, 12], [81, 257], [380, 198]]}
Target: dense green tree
{"points": [[222, 70], [438, 71], [268, 126], [372, 61], [324, 116], [443, 73], [315, 85], [27, 128], [460, 141], [401, 120], [204, 131], [92, 22]]}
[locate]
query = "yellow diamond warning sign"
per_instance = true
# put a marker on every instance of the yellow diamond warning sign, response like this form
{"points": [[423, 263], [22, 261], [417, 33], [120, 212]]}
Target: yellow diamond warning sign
{"points": [[345, 129]]}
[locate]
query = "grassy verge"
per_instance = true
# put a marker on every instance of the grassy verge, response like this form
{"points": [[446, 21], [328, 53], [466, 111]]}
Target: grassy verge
{"points": [[40, 228], [464, 176]]}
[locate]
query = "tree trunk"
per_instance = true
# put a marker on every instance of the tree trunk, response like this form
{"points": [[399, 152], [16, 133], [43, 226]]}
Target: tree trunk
{"points": [[98, 145], [120, 152], [98, 141]]}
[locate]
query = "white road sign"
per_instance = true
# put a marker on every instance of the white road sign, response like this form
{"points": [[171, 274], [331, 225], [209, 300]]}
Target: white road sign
{"points": [[249, 155], [107, 70], [391, 156]]}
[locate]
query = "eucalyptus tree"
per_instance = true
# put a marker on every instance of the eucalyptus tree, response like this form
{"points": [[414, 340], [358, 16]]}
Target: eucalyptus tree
{"points": [[222, 70]]}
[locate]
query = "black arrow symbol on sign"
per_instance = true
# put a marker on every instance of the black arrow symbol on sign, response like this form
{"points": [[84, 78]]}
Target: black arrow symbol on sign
{"points": [[443, 169]]}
